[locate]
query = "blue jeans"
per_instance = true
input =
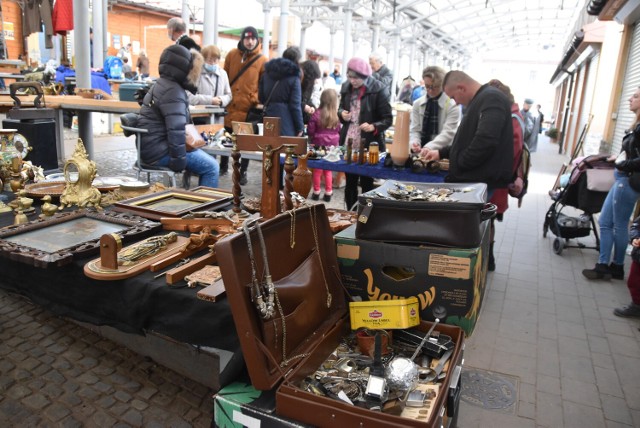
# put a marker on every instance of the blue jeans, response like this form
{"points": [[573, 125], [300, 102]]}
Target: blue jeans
{"points": [[200, 163], [614, 220]]}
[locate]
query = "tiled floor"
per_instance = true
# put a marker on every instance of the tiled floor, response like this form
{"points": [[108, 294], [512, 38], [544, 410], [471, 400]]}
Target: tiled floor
{"points": [[542, 321]]}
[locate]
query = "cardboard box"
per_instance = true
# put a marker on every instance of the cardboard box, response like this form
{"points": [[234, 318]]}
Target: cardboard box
{"points": [[448, 282], [240, 404]]}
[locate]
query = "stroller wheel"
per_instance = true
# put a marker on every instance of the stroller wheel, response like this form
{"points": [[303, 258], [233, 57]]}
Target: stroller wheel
{"points": [[558, 246]]}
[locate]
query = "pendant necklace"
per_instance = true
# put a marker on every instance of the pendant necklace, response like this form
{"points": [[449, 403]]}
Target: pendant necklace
{"points": [[314, 227], [263, 294]]}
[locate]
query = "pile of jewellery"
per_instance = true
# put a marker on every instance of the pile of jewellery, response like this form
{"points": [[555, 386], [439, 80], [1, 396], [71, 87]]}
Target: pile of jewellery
{"points": [[402, 378], [409, 192]]}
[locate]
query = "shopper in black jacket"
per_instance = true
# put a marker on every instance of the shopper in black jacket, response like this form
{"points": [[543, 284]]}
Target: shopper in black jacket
{"points": [[165, 113], [482, 149], [365, 114]]}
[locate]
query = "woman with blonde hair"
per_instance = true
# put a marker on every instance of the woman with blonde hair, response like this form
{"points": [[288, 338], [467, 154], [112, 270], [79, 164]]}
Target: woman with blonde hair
{"points": [[617, 208], [213, 86], [324, 131]]}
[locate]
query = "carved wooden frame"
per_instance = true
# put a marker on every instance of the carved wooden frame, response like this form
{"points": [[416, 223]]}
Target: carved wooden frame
{"points": [[135, 228], [140, 204]]}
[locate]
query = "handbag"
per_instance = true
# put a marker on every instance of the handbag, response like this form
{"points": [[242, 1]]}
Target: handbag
{"points": [[193, 140], [255, 114]]}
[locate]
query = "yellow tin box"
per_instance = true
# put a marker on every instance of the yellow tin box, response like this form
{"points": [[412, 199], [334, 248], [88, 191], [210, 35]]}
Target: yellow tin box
{"points": [[385, 314]]}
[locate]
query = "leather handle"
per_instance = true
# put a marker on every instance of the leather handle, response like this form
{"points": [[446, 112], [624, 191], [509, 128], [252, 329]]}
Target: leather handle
{"points": [[36, 86], [488, 212]]}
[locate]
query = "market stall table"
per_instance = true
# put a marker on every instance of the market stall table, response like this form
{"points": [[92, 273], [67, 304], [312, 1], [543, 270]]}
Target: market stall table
{"points": [[139, 308], [89, 105]]}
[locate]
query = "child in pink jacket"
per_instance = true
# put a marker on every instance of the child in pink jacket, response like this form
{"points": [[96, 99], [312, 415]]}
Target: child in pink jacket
{"points": [[324, 130]]}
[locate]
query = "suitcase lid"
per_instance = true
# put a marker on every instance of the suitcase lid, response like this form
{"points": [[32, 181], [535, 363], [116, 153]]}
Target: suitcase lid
{"points": [[465, 196], [305, 308]]}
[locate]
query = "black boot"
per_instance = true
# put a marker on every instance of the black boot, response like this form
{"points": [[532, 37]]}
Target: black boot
{"points": [[601, 271], [617, 271], [243, 178], [492, 260]]}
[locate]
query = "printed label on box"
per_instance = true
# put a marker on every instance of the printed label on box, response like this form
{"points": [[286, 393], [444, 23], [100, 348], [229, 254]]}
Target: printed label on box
{"points": [[449, 266]]}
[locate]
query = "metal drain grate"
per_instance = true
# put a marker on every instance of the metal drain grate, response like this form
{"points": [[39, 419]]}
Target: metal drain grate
{"points": [[489, 390]]}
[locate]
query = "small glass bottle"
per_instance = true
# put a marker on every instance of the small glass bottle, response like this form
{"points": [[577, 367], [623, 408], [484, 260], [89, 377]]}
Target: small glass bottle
{"points": [[361, 158], [374, 153], [349, 146]]}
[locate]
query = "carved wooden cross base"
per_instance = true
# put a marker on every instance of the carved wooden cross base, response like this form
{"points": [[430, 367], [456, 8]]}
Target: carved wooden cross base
{"points": [[270, 144]]}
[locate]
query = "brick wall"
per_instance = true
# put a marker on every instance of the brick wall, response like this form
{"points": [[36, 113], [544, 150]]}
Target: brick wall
{"points": [[131, 22], [11, 12]]}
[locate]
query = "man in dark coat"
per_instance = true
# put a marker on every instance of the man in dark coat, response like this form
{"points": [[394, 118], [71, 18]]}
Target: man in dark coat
{"points": [[177, 31], [365, 113], [482, 149], [381, 72], [280, 92], [165, 113]]}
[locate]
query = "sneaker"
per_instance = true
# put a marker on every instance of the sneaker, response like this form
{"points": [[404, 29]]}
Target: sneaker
{"points": [[617, 271], [326, 198], [631, 310], [243, 178], [600, 271], [315, 196]]}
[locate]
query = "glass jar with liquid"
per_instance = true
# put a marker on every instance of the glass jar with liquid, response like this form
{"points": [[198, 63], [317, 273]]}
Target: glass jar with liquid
{"points": [[374, 153]]}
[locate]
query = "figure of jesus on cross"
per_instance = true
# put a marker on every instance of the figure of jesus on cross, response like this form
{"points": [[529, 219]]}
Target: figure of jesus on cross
{"points": [[271, 144]]}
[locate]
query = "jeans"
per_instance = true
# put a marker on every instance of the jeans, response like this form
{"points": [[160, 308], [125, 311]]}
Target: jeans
{"points": [[200, 163], [614, 220]]}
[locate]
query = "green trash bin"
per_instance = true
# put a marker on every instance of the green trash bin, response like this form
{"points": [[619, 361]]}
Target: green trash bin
{"points": [[127, 91]]}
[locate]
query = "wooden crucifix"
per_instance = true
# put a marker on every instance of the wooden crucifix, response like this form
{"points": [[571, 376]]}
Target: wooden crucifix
{"points": [[270, 144]]}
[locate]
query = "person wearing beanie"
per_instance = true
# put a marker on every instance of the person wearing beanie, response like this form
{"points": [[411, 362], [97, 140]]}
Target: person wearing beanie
{"points": [[365, 113], [165, 113], [244, 66]]}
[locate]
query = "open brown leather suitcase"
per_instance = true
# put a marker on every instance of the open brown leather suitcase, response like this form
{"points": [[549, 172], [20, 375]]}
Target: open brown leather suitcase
{"points": [[304, 275], [382, 217]]}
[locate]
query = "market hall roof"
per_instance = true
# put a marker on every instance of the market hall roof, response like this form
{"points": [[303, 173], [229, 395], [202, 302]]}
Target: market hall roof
{"points": [[458, 29]]}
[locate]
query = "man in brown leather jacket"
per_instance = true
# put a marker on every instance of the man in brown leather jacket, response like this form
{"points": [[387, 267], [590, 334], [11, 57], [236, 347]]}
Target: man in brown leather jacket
{"points": [[244, 66]]}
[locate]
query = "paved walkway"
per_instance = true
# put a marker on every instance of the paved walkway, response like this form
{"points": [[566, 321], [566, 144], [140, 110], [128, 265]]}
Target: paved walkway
{"points": [[574, 363]]}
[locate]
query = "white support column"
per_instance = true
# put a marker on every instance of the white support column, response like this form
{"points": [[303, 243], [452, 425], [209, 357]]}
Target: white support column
{"points": [[283, 33], [332, 42], [375, 26], [412, 55], [346, 52], [396, 63], [375, 37], [83, 69], [186, 14], [98, 38], [210, 26], [303, 38], [266, 38]]}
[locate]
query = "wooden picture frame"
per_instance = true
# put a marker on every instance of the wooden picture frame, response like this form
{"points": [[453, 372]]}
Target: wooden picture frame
{"points": [[242, 128], [172, 203], [213, 190], [58, 240]]}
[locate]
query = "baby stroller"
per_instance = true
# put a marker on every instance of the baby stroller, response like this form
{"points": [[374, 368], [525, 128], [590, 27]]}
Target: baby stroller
{"points": [[586, 190]]}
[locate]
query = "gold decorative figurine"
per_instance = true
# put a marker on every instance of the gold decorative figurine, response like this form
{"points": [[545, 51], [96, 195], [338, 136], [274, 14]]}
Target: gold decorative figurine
{"points": [[80, 192]]}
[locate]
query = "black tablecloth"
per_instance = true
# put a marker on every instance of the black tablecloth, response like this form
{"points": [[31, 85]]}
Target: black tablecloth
{"points": [[134, 305]]}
